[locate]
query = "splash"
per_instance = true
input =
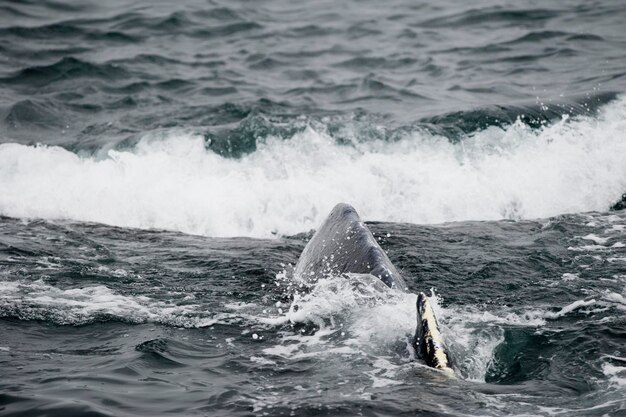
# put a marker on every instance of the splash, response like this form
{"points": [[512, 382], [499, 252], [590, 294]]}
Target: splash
{"points": [[354, 315], [170, 180]]}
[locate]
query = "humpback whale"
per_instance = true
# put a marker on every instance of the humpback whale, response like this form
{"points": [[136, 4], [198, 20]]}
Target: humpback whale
{"points": [[344, 245]]}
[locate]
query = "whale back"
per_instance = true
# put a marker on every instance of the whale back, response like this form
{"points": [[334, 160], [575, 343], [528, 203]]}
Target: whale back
{"points": [[343, 244]]}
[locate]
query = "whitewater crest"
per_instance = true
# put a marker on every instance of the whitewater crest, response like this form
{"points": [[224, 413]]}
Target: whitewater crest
{"points": [[172, 181]]}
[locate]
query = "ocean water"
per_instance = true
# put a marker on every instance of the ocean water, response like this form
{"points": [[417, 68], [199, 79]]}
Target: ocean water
{"points": [[162, 166]]}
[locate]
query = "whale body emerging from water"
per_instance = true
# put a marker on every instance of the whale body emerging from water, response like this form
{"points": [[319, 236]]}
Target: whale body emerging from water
{"points": [[344, 245]]}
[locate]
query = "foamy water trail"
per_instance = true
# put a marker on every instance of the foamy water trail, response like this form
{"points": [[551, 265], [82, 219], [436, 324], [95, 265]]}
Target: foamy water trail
{"points": [[36, 300], [288, 186]]}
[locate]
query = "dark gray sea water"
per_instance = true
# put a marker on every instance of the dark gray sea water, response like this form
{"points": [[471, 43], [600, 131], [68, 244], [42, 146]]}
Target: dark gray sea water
{"points": [[163, 164]]}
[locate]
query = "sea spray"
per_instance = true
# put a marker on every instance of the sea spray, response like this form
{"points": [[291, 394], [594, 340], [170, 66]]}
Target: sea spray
{"points": [[288, 185]]}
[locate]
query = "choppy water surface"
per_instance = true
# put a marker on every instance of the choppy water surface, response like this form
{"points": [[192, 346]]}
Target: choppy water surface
{"points": [[162, 166], [114, 321]]}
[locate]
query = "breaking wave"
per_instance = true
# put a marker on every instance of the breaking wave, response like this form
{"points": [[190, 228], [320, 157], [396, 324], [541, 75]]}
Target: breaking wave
{"points": [[171, 180]]}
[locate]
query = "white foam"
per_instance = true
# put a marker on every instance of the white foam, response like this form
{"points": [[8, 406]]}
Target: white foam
{"points": [[284, 350], [384, 373], [569, 277], [170, 181], [351, 315], [354, 316], [616, 259], [261, 360], [596, 239], [616, 374], [569, 308], [370, 309], [36, 300], [615, 299], [473, 334], [587, 248]]}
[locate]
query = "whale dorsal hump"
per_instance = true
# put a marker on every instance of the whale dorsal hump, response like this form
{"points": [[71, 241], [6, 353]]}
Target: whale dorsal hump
{"points": [[343, 244]]}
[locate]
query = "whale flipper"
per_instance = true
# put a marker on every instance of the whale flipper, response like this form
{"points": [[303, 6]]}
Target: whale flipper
{"points": [[343, 244], [427, 342]]}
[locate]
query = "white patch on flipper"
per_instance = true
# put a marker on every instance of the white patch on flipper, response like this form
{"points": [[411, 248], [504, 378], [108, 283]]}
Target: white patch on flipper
{"points": [[440, 354]]}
